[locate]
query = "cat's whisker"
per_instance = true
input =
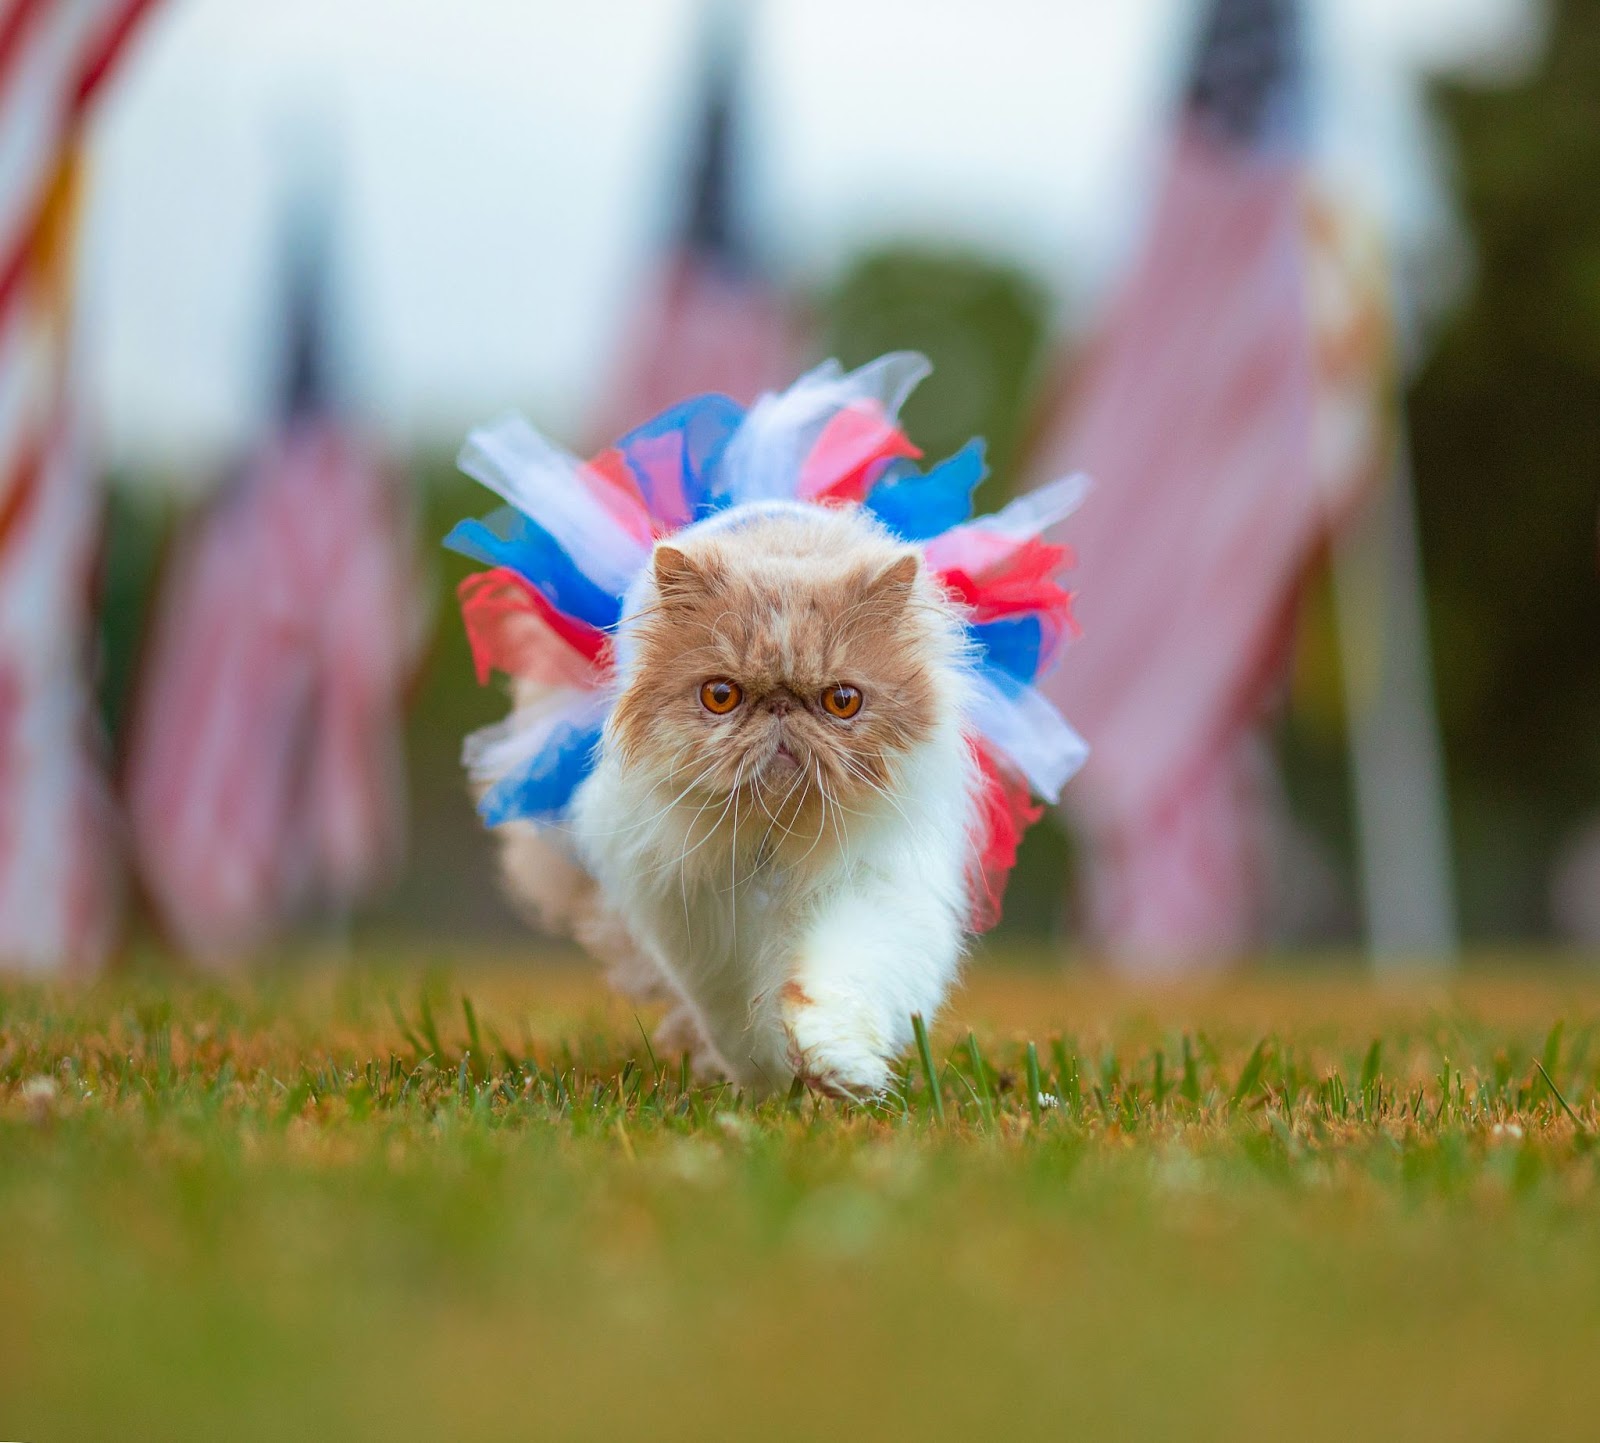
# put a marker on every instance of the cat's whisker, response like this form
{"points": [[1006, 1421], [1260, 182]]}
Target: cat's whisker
{"points": [[761, 848], [775, 824], [794, 784], [733, 860], [711, 831], [854, 769], [659, 819], [838, 831], [821, 817], [689, 831], [671, 774], [665, 811]]}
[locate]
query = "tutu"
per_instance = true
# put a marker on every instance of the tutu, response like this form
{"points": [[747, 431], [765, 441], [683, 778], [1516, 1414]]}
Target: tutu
{"points": [[575, 534]]}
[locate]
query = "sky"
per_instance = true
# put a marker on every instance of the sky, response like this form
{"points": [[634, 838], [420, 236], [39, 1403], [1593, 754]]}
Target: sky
{"points": [[503, 174]]}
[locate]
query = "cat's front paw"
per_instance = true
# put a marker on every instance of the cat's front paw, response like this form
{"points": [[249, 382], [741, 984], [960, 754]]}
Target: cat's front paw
{"points": [[833, 1045]]}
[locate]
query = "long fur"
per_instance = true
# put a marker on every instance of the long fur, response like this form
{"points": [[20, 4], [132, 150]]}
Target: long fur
{"points": [[795, 883]]}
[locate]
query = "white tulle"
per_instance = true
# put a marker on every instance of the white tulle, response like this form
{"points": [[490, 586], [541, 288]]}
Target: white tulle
{"points": [[544, 483], [761, 465], [1034, 514], [1033, 735], [496, 751], [764, 455]]}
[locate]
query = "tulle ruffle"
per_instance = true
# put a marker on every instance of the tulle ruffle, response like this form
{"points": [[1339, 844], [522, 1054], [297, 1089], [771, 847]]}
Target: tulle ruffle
{"points": [[576, 534]]}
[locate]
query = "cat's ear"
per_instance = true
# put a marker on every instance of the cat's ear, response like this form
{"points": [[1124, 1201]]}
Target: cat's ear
{"points": [[678, 574], [895, 582]]}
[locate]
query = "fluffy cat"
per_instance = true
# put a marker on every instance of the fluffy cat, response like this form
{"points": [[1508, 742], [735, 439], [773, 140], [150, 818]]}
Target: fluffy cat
{"points": [[777, 733], [778, 832]]}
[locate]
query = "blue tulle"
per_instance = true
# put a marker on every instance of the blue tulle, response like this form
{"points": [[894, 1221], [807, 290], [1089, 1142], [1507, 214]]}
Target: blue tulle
{"points": [[697, 459], [917, 506], [1013, 646], [540, 790], [675, 458], [507, 538]]}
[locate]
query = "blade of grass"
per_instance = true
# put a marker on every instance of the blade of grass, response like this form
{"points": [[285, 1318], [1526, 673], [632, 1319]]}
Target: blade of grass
{"points": [[405, 1027], [1035, 1085], [980, 1078], [1067, 1076], [1370, 1091], [919, 1030], [655, 1067], [1555, 1092], [1251, 1075], [475, 1048], [1551, 1056], [1190, 1086], [430, 1032]]}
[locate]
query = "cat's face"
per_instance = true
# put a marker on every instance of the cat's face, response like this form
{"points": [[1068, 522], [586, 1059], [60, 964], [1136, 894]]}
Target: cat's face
{"points": [[788, 661]]}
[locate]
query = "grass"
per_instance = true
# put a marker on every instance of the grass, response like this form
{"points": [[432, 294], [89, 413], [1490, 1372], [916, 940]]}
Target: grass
{"points": [[360, 1204]]}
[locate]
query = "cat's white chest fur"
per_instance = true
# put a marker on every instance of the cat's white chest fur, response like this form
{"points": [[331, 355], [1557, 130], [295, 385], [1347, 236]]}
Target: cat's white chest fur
{"points": [[780, 822], [808, 956]]}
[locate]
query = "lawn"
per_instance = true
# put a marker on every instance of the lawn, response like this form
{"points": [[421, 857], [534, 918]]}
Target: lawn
{"points": [[468, 1203]]}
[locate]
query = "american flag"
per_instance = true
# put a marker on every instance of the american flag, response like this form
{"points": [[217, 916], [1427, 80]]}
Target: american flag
{"points": [[265, 769], [1196, 417], [58, 874], [711, 321]]}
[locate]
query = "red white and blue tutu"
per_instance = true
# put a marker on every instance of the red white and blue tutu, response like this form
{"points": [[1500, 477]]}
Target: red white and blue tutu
{"points": [[575, 535]]}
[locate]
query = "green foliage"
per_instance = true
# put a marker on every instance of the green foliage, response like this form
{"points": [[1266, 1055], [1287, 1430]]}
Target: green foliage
{"points": [[980, 323], [1507, 460]]}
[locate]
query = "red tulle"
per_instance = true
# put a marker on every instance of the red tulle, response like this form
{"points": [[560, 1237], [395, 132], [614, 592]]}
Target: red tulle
{"points": [[995, 576], [1006, 810], [512, 628], [612, 484], [846, 455]]}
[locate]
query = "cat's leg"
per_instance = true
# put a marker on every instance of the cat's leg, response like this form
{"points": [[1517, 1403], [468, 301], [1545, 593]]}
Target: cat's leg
{"points": [[554, 891], [559, 896], [681, 1031], [877, 951]]}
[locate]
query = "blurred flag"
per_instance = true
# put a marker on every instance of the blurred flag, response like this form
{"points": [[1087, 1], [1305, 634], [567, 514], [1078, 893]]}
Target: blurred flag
{"points": [[711, 320], [58, 868], [265, 773], [1197, 419]]}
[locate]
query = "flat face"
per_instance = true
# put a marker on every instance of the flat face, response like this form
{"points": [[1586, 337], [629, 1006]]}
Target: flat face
{"points": [[791, 657]]}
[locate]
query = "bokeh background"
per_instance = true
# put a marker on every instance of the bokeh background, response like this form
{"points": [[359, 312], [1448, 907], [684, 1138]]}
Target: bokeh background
{"points": [[487, 202]]}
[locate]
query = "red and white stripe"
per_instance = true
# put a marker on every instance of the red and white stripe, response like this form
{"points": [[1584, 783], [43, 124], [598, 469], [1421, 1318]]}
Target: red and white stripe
{"points": [[55, 57], [58, 878], [265, 768], [1195, 421]]}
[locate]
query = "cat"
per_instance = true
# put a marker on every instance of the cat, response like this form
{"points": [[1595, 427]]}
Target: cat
{"points": [[777, 733], [777, 833]]}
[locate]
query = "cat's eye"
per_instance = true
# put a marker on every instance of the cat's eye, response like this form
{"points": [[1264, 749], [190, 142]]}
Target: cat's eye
{"points": [[842, 701], [721, 696]]}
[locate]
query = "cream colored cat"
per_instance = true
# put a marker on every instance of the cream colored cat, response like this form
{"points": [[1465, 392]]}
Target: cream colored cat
{"points": [[777, 835]]}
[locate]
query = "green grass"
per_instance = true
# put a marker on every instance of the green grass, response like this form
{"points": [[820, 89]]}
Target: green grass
{"points": [[360, 1205]]}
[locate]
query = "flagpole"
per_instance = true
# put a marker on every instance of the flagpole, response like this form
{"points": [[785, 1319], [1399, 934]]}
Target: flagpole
{"points": [[1396, 760]]}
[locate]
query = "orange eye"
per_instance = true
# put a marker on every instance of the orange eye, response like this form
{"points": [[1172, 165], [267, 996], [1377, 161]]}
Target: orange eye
{"points": [[842, 701], [721, 696]]}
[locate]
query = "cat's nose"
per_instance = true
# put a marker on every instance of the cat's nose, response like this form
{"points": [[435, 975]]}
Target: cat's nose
{"points": [[779, 705]]}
